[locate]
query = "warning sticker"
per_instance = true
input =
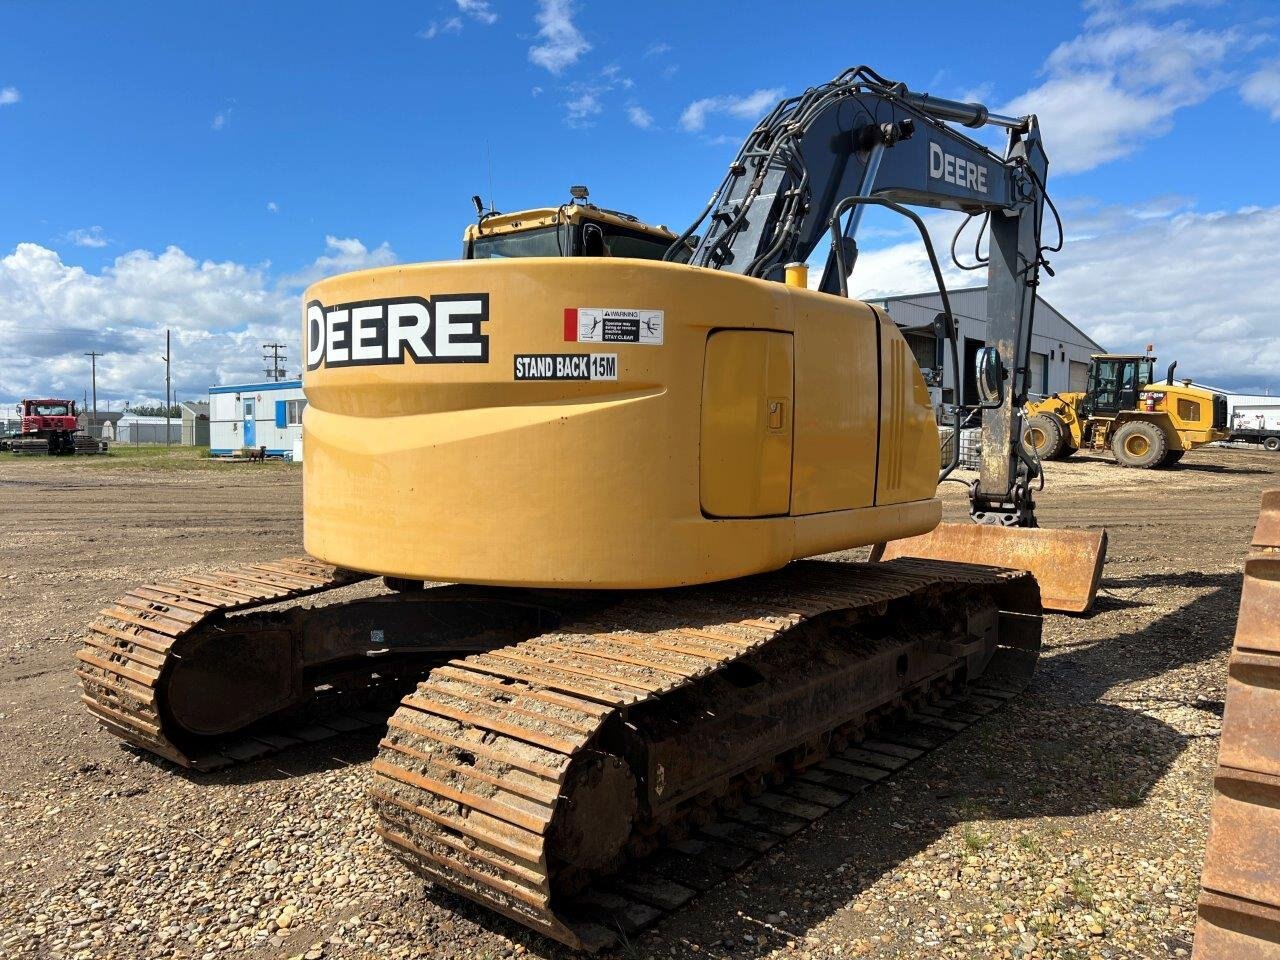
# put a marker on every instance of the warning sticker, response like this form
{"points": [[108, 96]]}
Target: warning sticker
{"points": [[566, 366], [612, 325]]}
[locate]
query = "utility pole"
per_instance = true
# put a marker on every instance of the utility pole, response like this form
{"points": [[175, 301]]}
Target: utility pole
{"points": [[93, 356], [275, 372], [168, 356]]}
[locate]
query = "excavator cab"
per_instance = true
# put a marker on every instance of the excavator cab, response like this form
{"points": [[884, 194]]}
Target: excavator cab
{"points": [[575, 229]]}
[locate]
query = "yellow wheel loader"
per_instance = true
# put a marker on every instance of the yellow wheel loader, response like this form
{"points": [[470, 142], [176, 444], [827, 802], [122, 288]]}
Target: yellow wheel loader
{"points": [[588, 460], [1144, 424]]}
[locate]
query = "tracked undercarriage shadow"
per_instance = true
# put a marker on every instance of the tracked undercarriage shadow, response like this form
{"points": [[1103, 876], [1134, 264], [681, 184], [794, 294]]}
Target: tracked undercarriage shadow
{"points": [[1057, 751]]}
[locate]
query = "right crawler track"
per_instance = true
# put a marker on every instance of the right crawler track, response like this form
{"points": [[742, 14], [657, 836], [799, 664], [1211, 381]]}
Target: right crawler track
{"points": [[526, 777]]}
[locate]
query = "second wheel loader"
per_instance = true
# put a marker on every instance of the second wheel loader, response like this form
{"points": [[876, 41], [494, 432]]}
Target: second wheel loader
{"points": [[612, 459], [1143, 423]]}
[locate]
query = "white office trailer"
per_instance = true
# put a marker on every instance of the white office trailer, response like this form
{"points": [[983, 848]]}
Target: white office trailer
{"points": [[246, 416], [1060, 350], [1252, 411]]}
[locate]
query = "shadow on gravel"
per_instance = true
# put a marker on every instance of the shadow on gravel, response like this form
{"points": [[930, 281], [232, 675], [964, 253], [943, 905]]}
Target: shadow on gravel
{"points": [[1056, 751], [1217, 468]]}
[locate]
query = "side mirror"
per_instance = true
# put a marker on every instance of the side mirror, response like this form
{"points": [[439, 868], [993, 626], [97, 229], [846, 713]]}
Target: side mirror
{"points": [[989, 376], [592, 241]]}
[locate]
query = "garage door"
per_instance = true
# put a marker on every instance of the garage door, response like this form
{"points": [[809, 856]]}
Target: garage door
{"points": [[1077, 377], [1039, 373]]}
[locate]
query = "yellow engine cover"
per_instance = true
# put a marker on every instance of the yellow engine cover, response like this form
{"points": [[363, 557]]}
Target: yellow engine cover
{"points": [[605, 423]]}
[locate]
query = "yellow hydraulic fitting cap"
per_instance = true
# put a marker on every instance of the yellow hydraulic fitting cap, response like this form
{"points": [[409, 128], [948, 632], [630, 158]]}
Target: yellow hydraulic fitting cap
{"points": [[797, 274]]}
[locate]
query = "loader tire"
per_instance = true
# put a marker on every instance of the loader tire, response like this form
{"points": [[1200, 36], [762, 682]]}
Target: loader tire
{"points": [[1139, 444], [1044, 436], [1172, 457]]}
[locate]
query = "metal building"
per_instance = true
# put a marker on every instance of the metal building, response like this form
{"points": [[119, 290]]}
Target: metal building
{"points": [[1059, 349], [195, 423], [251, 415], [131, 428]]}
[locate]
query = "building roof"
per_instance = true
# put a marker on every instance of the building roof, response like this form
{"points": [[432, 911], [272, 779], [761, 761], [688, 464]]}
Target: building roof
{"points": [[983, 288], [197, 408], [256, 387], [134, 418]]}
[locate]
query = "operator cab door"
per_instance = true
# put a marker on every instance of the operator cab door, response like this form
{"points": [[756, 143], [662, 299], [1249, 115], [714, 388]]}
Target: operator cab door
{"points": [[1113, 387], [250, 422]]}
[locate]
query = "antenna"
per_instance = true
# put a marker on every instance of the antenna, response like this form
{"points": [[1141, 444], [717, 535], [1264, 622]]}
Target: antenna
{"points": [[488, 156]]}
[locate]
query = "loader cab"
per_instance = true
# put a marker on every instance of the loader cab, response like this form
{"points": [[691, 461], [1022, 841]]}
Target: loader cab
{"points": [[571, 230], [1114, 383]]}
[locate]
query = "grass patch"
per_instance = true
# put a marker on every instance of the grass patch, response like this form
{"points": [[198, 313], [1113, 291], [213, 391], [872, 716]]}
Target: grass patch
{"points": [[975, 840], [159, 457]]}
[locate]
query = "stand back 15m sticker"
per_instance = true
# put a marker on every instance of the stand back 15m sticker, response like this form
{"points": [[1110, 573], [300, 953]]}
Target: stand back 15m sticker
{"points": [[612, 325], [566, 366]]}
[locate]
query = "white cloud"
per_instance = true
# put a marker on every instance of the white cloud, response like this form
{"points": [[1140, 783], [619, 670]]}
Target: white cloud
{"points": [[9, 95], [219, 312], [657, 49], [640, 117], [1262, 90], [341, 255], [562, 42], [749, 107], [435, 29], [82, 237], [580, 110], [220, 119], [478, 10], [273, 207], [1120, 83]]}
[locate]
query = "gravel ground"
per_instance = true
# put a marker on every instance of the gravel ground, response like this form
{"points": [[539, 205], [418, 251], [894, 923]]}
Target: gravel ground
{"points": [[1069, 825]]}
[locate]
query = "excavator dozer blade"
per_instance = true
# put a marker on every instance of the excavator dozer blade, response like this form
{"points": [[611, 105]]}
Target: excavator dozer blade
{"points": [[1239, 915], [1066, 563]]}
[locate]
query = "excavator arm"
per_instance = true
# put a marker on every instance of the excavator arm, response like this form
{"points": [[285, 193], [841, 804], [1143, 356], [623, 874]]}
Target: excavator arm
{"points": [[811, 167]]}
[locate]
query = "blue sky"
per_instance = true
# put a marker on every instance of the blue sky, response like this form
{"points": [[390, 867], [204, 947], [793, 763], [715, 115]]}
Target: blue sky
{"points": [[175, 165]]}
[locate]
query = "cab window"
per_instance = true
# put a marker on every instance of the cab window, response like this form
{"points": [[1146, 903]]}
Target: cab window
{"points": [[542, 242]]}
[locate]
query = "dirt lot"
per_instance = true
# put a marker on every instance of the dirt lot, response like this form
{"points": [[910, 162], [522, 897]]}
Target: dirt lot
{"points": [[1071, 824]]}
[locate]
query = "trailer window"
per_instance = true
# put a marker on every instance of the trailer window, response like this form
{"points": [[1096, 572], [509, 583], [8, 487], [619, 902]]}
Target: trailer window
{"points": [[293, 412]]}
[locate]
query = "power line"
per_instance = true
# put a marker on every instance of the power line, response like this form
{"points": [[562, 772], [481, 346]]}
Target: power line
{"points": [[274, 372], [93, 356]]}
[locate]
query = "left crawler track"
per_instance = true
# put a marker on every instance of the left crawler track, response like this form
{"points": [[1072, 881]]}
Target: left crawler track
{"points": [[135, 644]]}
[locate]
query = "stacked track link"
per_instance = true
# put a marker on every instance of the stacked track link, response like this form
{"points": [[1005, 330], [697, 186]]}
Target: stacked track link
{"points": [[586, 780], [133, 645], [1239, 910]]}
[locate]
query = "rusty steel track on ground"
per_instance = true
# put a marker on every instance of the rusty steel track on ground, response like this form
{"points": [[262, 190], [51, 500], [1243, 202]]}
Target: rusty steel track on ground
{"points": [[133, 642], [511, 776], [1239, 909]]}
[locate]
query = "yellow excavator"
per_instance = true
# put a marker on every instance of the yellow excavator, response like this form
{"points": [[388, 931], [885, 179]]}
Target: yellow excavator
{"points": [[1143, 423], [589, 460]]}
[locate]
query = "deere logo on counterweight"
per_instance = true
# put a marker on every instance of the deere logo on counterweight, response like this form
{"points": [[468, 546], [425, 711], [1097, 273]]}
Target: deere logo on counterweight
{"points": [[444, 329]]}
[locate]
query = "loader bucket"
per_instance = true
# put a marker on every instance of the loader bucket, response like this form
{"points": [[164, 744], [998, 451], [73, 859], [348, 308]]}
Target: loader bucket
{"points": [[1066, 563]]}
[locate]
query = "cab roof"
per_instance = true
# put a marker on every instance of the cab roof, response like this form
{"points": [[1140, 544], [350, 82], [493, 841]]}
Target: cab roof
{"points": [[569, 213]]}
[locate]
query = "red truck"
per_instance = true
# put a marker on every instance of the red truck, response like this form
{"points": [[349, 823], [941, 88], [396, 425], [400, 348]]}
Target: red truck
{"points": [[50, 427]]}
